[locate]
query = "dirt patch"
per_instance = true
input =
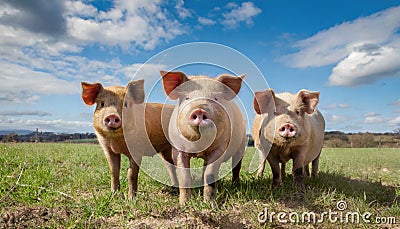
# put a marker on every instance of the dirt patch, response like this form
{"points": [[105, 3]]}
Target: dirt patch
{"points": [[203, 219], [28, 217], [189, 218], [33, 217]]}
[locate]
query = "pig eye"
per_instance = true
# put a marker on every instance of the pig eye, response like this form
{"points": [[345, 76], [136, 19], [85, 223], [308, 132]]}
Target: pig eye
{"points": [[187, 98], [126, 104], [216, 99], [102, 104], [297, 112], [275, 113]]}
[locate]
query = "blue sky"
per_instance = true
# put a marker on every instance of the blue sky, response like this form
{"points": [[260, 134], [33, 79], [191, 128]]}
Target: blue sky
{"points": [[347, 50]]}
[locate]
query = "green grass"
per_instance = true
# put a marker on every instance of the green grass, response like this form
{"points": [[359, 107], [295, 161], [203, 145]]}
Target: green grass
{"points": [[68, 186]]}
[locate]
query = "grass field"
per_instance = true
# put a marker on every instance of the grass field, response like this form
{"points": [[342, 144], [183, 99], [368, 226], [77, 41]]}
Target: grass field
{"points": [[67, 186]]}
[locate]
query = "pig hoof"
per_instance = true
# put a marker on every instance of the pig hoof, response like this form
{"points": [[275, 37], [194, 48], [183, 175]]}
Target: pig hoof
{"points": [[183, 201], [314, 176]]}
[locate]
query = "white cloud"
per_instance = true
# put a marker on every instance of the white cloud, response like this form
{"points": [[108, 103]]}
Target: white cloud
{"points": [[374, 119], [365, 49], [181, 10], [206, 21], [78, 8], [129, 25], [395, 121], [238, 14], [231, 5], [21, 84], [25, 113], [58, 125], [336, 119], [371, 114], [365, 66], [143, 71], [333, 106]]}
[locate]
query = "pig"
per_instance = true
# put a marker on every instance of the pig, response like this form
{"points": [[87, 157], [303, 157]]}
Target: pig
{"points": [[205, 124], [288, 126], [108, 125]]}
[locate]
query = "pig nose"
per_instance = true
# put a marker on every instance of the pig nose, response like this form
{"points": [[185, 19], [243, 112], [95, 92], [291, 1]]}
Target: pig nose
{"points": [[198, 116], [287, 130], [112, 121]]}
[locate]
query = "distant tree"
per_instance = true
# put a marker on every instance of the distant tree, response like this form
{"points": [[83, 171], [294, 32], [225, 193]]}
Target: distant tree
{"points": [[12, 137], [363, 140], [336, 143]]}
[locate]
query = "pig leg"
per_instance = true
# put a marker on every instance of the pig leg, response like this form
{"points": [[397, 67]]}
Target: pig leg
{"points": [[114, 162], [283, 169], [236, 166], [276, 175], [133, 173], [306, 169], [184, 178], [314, 170], [211, 175], [169, 164], [298, 172], [261, 165]]}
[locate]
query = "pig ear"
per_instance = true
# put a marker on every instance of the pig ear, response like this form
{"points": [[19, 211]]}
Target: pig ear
{"points": [[233, 82], [135, 89], [263, 100], [172, 80], [90, 91], [308, 100]]}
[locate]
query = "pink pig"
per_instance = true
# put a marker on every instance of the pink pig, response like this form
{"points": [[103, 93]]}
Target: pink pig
{"points": [[292, 128], [205, 124]]}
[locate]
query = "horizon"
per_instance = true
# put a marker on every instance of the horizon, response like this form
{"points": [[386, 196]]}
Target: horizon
{"points": [[247, 133], [348, 51]]}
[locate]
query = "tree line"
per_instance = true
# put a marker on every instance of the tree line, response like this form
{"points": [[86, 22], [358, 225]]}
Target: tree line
{"points": [[333, 139], [49, 137]]}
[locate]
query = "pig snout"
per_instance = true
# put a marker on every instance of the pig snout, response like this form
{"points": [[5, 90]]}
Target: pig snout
{"points": [[287, 130], [198, 116], [112, 121]]}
